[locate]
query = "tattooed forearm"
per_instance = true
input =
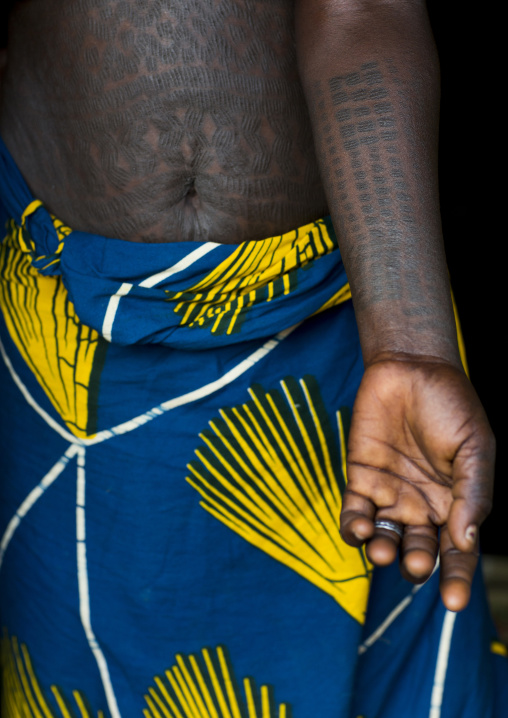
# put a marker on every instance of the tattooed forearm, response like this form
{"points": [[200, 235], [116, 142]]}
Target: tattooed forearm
{"points": [[366, 179], [372, 87]]}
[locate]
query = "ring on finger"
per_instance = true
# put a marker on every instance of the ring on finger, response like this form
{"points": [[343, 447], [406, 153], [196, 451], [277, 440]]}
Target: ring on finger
{"points": [[389, 526]]}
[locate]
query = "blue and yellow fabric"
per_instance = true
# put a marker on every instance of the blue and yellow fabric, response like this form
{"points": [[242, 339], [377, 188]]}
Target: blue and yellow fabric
{"points": [[173, 434]]}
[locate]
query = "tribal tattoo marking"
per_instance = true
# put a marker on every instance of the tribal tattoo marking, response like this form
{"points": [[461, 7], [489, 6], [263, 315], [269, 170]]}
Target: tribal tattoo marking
{"points": [[171, 121], [359, 128]]}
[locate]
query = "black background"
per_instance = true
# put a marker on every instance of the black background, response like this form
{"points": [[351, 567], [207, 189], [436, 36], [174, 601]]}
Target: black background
{"points": [[469, 150], [470, 162]]}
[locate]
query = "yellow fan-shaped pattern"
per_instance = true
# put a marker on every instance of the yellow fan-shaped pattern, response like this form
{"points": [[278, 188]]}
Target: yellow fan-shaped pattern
{"points": [[255, 272], [273, 470], [205, 686], [23, 696], [65, 355]]}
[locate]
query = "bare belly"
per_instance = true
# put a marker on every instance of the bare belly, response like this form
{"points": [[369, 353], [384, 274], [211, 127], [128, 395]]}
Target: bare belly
{"points": [[162, 121]]}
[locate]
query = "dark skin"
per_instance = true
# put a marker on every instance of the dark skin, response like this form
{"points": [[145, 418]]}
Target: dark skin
{"points": [[167, 123], [420, 449]]}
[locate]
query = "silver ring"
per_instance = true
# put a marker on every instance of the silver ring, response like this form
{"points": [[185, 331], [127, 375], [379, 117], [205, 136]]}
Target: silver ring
{"points": [[389, 526]]}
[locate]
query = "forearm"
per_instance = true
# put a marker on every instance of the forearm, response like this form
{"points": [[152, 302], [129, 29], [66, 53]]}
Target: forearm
{"points": [[371, 78]]}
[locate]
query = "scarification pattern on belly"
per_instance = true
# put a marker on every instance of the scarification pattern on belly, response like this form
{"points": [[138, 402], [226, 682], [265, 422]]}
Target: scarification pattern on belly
{"points": [[178, 120]]}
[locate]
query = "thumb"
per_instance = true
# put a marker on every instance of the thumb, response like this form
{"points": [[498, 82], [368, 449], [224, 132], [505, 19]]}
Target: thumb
{"points": [[473, 480]]}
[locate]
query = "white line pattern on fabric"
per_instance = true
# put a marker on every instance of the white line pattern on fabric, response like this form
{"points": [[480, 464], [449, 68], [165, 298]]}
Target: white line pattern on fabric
{"points": [[149, 282], [443, 657], [77, 447], [386, 623], [35, 406], [84, 590], [33, 497], [194, 395], [181, 265], [109, 316], [394, 614], [156, 411]]}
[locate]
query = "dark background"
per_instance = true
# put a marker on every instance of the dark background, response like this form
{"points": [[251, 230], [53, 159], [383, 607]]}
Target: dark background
{"points": [[469, 176], [469, 156]]}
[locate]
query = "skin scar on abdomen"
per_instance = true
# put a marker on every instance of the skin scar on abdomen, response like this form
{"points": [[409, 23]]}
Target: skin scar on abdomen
{"points": [[169, 102]]}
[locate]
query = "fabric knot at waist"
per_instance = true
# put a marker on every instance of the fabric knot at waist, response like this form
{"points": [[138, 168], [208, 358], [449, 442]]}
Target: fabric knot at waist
{"points": [[185, 294]]}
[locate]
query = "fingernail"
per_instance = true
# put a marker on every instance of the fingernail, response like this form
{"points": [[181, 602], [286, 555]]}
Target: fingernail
{"points": [[471, 533]]}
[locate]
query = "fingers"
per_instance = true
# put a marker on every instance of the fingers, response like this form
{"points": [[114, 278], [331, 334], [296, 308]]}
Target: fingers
{"points": [[383, 547], [473, 478], [418, 549], [419, 553], [356, 518], [418, 544], [457, 571]]}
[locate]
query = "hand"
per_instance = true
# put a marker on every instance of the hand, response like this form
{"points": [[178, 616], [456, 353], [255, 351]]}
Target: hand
{"points": [[421, 454]]}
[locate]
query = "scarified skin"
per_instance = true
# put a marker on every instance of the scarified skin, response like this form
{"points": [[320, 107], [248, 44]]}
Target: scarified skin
{"points": [[165, 121]]}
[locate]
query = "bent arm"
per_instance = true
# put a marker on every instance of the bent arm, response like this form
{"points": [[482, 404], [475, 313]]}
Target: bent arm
{"points": [[371, 77]]}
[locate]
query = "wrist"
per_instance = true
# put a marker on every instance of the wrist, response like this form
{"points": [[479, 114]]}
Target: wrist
{"points": [[390, 332]]}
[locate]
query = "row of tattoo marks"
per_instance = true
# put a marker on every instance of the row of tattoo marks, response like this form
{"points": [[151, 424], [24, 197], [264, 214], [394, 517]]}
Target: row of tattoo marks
{"points": [[361, 139]]}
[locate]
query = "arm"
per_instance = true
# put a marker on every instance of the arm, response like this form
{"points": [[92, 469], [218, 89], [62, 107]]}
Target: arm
{"points": [[420, 449]]}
